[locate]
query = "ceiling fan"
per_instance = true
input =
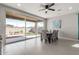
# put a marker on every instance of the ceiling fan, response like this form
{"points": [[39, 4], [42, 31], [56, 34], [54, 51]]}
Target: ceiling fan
{"points": [[47, 7]]}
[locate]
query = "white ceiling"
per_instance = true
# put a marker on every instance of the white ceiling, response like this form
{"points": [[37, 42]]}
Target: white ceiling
{"points": [[34, 8]]}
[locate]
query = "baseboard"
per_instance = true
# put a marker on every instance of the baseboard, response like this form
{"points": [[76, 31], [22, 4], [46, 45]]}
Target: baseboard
{"points": [[66, 38]]}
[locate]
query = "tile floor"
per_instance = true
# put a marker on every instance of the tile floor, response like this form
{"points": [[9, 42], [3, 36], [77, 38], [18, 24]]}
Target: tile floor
{"points": [[36, 47]]}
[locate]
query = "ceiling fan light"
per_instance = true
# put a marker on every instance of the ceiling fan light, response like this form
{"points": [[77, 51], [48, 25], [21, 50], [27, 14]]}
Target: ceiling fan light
{"points": [[46, 10]]}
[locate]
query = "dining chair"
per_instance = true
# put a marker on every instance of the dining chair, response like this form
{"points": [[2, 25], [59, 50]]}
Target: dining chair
{"points": [[44, 36], [54, 36]]}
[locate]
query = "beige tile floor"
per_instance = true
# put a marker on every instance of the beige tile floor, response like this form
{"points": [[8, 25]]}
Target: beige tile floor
{"points": [[36, 47]]}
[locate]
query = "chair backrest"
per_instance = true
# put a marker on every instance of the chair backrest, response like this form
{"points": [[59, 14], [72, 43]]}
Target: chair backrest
{"points": [[44, 35], [55, 33], [45, 31]]}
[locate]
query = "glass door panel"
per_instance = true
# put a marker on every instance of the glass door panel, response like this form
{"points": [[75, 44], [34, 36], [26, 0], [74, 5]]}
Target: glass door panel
{"points": [[40, 27], [15, 35], [30, 29]]}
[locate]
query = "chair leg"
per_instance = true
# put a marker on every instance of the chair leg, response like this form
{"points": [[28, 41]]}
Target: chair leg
{"points": [[41, 39], [45, 40], [52, 40], [57, 38], [49, 41]]}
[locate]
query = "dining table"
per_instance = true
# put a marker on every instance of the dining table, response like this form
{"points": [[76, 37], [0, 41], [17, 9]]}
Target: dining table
{"points": [[49, 35]]}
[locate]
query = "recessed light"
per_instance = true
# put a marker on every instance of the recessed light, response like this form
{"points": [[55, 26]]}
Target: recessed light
{"points": [[70, 8], [18, 4]]}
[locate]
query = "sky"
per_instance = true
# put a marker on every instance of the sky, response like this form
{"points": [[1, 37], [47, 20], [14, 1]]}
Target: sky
{"points": [[19, 23]]}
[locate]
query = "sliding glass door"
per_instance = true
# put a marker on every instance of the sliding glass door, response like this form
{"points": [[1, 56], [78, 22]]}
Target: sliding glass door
{"points": [[15, 36], [30, 29], [15, 30], [18, 31], [40, 27]]}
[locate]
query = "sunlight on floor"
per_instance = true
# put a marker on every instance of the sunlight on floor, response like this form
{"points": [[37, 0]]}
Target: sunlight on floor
{"points": [[75, 45]]}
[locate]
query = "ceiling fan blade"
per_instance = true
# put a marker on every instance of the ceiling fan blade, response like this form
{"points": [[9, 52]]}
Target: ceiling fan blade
{"points": [[51, 9], [41, 9], [51, 4]]}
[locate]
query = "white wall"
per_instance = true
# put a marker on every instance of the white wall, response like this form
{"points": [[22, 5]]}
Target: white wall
{"points": [[69, 25], [2, 26]]}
